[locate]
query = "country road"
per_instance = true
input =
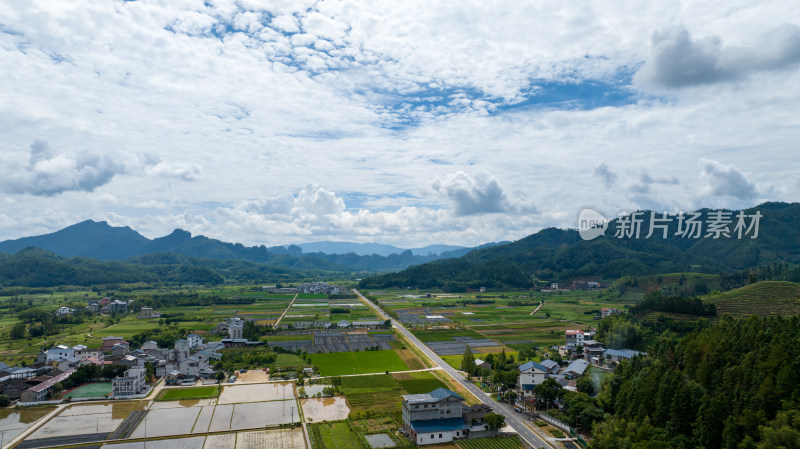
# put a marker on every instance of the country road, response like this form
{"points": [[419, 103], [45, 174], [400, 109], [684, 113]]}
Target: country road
{"points": [[512, 419]]}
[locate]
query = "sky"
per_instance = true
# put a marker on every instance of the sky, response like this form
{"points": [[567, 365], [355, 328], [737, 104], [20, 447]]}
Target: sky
{"points": [[408, 123]]}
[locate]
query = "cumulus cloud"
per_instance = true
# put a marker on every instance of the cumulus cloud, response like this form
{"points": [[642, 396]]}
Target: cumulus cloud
{"points": [[48, 173], [311, 200], [469, 195], [677, 60], [726, 180], [604, 173]]}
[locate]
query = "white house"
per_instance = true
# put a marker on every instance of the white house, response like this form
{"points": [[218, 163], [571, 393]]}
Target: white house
{"points": [[195, 341], [132, 383], [59, 353], [182, 349], [235, 327], [63, 311], [435, 417], [531, 374]]}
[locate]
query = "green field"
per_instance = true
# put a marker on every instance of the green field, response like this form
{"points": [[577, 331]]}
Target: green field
{"points": [[377, 381], [288, 361], [177, 394], [490, 443], [93, 390], [340, 363], [417, 383], [335, 435]]}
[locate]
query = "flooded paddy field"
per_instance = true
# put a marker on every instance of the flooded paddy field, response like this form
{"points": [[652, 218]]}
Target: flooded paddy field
{"points": [[175, 443], [325, 409], [273, 439], [14, 422], [261, 414], [256, 393], [87, 419], [164, 422]]}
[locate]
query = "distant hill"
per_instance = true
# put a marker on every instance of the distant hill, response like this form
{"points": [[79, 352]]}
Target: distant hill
{"points": [[34, 267], [99, 240], [557, 255]]}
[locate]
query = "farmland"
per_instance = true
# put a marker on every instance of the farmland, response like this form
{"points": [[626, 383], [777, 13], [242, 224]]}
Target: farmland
{"points": [[762, 298], [178, 394], [364, 362], [490, 443], [415, 383], [335, 435]]}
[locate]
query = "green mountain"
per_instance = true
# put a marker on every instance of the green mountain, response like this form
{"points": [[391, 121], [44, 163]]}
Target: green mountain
{"points": [[33, 267], [99, 240], [557, 255]]}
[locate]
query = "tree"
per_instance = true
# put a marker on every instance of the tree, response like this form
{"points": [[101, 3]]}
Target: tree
{"points": [[4, 401], [220, 376], [150, 371], [585, 385], [328, 391], [509, 396], [546, 391], [495, 420], [17, 331], [468, 362]]}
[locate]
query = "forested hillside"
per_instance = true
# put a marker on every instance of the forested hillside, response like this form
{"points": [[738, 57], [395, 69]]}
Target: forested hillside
{"points": [[553, 255], [34, 267], [734, 385]]}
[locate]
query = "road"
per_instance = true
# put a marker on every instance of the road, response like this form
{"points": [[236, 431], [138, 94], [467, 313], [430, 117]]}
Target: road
{"points": [[512, 419], [287, 309]]}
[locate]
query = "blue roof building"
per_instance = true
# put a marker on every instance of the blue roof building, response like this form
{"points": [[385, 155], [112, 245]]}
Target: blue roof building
{"points": [[440, 417]]}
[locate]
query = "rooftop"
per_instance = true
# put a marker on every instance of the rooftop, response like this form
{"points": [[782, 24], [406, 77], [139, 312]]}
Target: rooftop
{"points": [[49, 383], [434, 396], [528, 365], [438, 425]]}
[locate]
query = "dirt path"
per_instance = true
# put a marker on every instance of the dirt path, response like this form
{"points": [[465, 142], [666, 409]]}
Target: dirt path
{"points": [[537, 309], [287, 309]]}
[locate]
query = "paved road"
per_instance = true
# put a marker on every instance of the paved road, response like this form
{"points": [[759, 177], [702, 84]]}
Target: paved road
{"points": [[512, 419]]}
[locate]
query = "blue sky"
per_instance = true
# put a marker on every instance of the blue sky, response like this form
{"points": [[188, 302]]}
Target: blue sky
{"points": [[408, 123]]}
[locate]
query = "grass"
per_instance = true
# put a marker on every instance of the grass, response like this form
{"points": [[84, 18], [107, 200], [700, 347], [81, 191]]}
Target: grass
{"points": [[288, 361], [416, 383], [335, 435], [490, 443], [378, 381], [93, 390], [364, 362], [375, 402], [178, 394]]}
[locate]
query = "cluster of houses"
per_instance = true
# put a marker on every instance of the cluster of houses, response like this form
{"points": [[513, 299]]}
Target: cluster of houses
{"points": [[584, 351], [104, 305], [441, 417], [312, 288], [188, 361]]}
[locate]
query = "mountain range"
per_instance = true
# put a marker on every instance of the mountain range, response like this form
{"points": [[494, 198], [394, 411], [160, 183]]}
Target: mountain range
{"points": [[560, 255], [99, 240]]}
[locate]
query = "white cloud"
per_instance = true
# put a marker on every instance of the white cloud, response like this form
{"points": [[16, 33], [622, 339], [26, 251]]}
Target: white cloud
{"points": [[335, 117], [472, 195]]}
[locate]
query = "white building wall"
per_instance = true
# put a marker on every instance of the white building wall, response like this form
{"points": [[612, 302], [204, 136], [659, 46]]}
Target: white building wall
{"points": [[435, 438]]}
